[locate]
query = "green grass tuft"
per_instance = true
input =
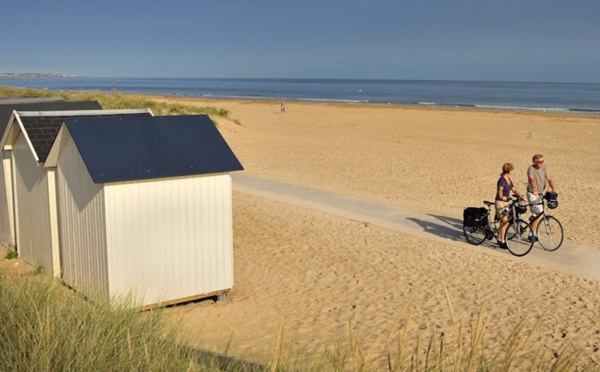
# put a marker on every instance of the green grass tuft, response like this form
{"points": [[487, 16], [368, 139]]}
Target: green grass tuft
{"points": [[46, 327]]}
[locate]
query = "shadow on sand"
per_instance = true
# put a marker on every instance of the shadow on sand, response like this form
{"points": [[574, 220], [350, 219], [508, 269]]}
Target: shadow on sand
{"points": [[448, 228]]}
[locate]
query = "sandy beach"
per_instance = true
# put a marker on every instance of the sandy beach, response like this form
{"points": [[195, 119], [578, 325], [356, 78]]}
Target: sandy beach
{"points": [[318, 279], [313, 282]]}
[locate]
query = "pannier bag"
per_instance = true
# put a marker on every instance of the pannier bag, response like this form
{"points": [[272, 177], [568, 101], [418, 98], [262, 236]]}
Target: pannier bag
{"points": [[473, 215], [552, 199]]}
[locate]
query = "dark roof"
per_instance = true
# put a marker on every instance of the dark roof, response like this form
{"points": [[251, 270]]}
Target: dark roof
{"points": [[6, 109], [134, 148], [42, 130]]}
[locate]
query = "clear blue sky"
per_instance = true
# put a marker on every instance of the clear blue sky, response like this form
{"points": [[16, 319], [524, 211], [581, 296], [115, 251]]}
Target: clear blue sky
{"points": [[508, 40]]}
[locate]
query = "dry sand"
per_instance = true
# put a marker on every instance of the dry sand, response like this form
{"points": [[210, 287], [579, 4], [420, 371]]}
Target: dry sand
{"points": [[14, 265], [431, 160], [324, 278]]}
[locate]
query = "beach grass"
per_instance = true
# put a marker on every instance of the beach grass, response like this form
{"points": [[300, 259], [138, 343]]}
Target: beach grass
{"points": [[468, 351], [116, 100], [46, 326]]}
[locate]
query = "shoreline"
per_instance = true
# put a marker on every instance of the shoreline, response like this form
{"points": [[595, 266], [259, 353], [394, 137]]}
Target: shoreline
{"points": [[439, 106], [274, 101], [505, 96]]}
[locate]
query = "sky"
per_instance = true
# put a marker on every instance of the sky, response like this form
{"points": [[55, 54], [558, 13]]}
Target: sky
{"points": [[509, 40]]}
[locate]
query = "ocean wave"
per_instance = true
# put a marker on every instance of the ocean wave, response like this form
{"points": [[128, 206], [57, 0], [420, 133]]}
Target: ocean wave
{"points": [[495, 107], [332, 100]]}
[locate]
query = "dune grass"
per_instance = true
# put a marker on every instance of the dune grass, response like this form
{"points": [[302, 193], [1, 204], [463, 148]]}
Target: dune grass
{"points": [[469, 351], [46, 327], [116, 100]]}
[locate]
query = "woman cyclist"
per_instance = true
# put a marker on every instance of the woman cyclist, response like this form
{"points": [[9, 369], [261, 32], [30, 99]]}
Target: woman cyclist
{"points": [[503, 189]]}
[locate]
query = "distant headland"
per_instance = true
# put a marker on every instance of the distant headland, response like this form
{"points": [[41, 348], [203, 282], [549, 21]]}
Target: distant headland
{"points": [[33, 75]]}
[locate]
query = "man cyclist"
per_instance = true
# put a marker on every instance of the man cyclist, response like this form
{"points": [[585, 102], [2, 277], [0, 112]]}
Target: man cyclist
{"points": [[537, 180]]}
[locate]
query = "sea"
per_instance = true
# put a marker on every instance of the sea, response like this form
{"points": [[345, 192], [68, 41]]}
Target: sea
{"points": [[581, 98]]}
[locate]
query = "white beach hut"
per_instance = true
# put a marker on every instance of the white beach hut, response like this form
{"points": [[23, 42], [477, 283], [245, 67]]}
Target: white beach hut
{"points": [[7, 107], [30, 188], [145, 207]]}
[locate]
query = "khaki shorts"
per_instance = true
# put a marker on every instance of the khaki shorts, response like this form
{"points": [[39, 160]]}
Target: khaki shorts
{"points": [[500, 205], [537, 208]]}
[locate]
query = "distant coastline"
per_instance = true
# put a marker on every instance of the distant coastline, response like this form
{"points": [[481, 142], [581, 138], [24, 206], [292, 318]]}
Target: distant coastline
{"points": [[580, 98], [34, 75]]}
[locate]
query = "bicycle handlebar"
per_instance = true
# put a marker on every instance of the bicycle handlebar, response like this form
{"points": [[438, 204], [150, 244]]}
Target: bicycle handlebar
{"points": [[514, 199], [542, 198]]}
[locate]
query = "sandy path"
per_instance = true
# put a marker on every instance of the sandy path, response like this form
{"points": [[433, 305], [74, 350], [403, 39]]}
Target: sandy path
{"points": [[570, 259]]}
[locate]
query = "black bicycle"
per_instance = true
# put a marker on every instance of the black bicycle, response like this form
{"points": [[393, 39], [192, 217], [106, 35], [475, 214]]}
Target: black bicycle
{"points": [[479, 225]]}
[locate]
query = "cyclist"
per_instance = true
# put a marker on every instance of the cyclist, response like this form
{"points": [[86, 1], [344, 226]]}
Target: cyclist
{"points": [[503, 189], [537, 179]]}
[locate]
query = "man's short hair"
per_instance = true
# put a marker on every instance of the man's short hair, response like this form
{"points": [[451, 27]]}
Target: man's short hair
{"points": [[536, 157]]}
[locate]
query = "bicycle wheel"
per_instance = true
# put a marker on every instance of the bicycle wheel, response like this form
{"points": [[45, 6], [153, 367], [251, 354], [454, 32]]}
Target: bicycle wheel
{"points": [[519, 238], [475, 234], [550, 233]]}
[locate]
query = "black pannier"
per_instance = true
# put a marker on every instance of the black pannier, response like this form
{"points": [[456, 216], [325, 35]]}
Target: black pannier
{"points": [[552, 199], [473, 215]]}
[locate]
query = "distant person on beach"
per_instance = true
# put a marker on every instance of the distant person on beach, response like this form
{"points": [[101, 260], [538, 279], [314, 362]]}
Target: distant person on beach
{"points": [[282, 107], [538, 178], [504, 187]]}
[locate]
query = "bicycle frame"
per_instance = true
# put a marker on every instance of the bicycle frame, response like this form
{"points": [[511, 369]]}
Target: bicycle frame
{"points": [[542, 213], [493, 222], [552, 234]]}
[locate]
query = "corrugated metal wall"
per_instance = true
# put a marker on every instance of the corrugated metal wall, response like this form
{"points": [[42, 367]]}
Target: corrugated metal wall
{"points": [[170, 239], [81, 224], [34, 242]]}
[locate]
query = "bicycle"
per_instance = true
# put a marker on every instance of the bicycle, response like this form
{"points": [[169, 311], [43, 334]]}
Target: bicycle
{"points": [[549, 231], [519, 233]]}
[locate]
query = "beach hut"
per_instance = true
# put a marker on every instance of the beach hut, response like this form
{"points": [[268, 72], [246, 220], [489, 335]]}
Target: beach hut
{"points": [[7, 107], [26, 143], [145, 206]]}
